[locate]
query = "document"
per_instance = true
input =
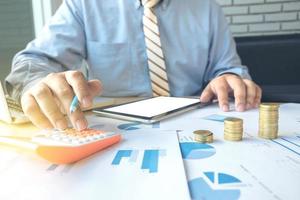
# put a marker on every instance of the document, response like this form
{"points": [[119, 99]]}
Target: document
{"points": [[140, 167], [162, 161], [253, 168]]}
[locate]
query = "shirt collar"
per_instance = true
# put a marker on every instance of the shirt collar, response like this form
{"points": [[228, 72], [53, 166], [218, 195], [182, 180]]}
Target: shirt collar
{"points": [[164, 4]]}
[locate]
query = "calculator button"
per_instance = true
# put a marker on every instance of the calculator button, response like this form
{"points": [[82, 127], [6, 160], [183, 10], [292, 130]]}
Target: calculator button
{"points": [[68, 140], [99, 136], [75, 141], [109, 134]]}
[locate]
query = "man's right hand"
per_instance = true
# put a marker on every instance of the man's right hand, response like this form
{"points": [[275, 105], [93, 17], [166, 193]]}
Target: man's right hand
{"points": [[46, 103]]}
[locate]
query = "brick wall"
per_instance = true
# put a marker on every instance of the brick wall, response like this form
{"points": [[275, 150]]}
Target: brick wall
{"points": [[16, 30], [262, 17]]}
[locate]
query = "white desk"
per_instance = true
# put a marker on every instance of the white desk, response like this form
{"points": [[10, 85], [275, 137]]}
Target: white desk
{"points": [[251, 169]]}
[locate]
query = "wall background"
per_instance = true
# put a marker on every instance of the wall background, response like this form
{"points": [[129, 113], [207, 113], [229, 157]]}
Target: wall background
{"points": [[262, 17], [246, 17], [16, 29]]}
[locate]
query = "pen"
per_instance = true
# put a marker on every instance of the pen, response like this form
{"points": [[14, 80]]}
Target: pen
{"points": [[74, 104]]}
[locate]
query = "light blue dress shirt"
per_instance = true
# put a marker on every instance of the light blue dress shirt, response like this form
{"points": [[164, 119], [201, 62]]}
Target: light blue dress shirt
{"points": [[108, 34]]}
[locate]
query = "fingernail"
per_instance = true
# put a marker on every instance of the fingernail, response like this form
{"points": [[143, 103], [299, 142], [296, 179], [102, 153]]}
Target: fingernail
{"points": [[61, 124], [240, 107], [86, 102], [81, 124], [225, 108]]}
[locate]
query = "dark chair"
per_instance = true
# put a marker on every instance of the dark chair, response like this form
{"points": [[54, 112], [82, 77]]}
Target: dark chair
{"points": [[274, 64]]}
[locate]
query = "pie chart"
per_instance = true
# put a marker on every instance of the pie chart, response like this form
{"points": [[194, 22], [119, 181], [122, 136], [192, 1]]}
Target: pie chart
{"points": [[200, 188], [193, 150], [129, 126]]}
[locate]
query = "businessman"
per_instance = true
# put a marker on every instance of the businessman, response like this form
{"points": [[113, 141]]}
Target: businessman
{"points": [[132, 48]]}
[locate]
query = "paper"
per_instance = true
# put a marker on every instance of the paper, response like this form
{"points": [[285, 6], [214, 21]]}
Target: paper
{"points": [[140, 167], [251, 169]]}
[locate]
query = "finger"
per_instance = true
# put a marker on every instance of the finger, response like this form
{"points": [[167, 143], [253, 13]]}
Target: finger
{"points": [[80, 87], [78, 120], [95, 87], [221, 90], [207, 94], [251, 93], [48, 106], [64, 93], [257, 99], [32, 111], [239, 92]]}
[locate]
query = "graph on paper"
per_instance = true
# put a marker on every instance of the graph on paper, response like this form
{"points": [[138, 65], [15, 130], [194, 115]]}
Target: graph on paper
{"points": [[213, 186], [289, 143], [136, 125], [193, 150], [150, 158]]}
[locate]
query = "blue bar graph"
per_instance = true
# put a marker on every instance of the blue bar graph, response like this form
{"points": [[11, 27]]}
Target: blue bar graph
{"points": [[150, 160], [134, 156], [121, 154]]}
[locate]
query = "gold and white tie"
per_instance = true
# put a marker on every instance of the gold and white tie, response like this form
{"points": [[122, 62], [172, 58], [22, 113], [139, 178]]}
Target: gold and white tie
{"points": [[156, 61]]}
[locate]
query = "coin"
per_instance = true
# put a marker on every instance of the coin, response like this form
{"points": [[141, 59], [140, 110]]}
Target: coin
{"points": [[203, 136], [268, 120], [233, 129]]}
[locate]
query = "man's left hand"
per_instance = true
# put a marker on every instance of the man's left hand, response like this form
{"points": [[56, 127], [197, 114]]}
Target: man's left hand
{"points": [[246, 93]]}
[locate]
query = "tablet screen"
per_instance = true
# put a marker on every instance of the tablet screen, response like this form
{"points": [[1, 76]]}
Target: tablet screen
{"points": [[153, 106]]}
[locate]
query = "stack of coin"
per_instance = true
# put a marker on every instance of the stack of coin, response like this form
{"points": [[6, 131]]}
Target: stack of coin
{"points": [[203, 136], [233, 129], [268, 120]]}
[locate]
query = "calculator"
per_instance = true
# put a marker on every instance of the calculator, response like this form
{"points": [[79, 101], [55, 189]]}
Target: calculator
{"points": [[67, 146]]}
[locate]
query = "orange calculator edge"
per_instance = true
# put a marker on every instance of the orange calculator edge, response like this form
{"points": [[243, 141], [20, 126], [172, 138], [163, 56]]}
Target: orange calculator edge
{"points": [[66, 154]]}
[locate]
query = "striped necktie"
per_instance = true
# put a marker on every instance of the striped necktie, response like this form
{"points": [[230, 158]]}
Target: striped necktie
{"points": [[156, 61]]}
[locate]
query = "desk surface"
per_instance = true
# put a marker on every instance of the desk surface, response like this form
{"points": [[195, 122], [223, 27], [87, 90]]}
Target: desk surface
{"points": [[252, 169]]}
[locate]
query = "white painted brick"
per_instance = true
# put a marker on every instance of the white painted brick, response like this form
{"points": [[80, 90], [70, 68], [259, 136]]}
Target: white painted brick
{"points": [[271, 1], [281, 17], [263, 17], [239, 28], [228, 18], [291, 25], [291, 6], [265, 27], [225, 2], [247, 18], [267, 8], [235, 10], [247, 1]]}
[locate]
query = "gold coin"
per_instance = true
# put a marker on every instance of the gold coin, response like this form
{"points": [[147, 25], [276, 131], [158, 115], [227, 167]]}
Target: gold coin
{"points": [[232, 139], [233, 120], [203, 136], [268, 136], [268, 106]]}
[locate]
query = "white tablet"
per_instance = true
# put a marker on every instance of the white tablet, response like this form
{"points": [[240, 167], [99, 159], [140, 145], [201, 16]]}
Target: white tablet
{"points": [[150, 110]]}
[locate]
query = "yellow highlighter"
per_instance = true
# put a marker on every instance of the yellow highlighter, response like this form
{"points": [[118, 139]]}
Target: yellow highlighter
{"points": [[68, 146]]}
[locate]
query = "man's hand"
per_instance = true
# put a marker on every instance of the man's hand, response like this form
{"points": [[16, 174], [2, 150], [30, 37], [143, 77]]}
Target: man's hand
{"points": [[246, 93], [47, 102]]}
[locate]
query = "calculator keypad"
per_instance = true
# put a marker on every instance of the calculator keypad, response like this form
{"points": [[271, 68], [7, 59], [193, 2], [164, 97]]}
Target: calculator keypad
{"points": [[72, 137]]}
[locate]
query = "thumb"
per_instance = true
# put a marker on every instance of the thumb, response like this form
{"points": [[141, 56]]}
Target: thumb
{"points": [[95, 87], [207, 94]]}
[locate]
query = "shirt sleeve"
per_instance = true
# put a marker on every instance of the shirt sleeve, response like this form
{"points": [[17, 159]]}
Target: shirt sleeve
{"points": [[60, 46], [223, 57]]}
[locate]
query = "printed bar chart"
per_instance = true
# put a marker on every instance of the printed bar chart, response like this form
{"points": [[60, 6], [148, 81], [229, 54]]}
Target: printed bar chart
{"points": [[121, 154], [149, 161]]}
